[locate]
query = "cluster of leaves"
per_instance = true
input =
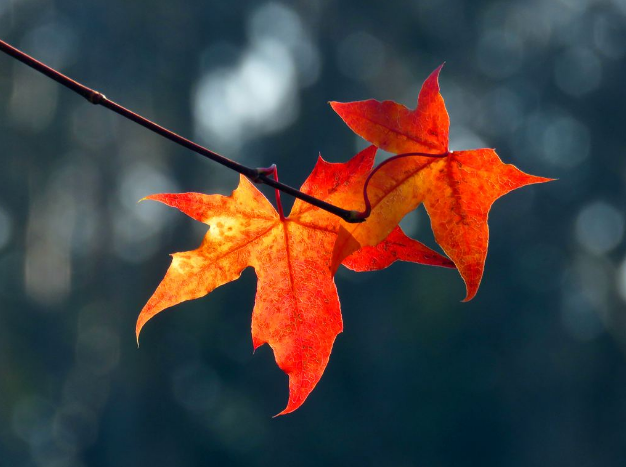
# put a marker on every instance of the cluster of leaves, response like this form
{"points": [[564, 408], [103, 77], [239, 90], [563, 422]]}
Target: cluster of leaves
{"points": [[297, 309]]}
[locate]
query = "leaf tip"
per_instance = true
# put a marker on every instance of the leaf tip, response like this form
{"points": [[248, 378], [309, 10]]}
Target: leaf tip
{"points": [[472, 277], [471, 292], [284, 412], [291, 407], [338, 106], [256, 343], [435, 74], [153, 197], [138, 331], [533, 179], [468, 298]]}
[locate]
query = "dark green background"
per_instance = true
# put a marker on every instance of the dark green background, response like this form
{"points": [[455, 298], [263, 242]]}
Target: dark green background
{"points": [[531, 372]]}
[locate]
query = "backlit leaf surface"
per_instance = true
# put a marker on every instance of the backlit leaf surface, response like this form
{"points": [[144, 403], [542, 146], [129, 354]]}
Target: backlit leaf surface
{"points": [[296, 309], [457, 190]]}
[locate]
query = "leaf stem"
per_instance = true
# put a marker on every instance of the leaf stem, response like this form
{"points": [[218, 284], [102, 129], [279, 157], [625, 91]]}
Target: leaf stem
{"points": [[368, 205], [97, 98], [273, 171]]}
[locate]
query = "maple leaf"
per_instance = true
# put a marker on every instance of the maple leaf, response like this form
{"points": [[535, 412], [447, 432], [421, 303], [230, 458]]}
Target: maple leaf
{"points": [[296, 309], [457, 188]]}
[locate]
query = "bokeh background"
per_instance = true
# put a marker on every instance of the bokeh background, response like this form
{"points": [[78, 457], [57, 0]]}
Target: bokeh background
{"points": [[531, 372]]}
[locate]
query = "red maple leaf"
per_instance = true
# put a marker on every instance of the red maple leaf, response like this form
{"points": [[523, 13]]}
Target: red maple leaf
{"points": [[457, 188]]}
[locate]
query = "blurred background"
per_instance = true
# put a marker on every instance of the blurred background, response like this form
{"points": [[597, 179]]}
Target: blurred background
{"points": [[531, 372]]}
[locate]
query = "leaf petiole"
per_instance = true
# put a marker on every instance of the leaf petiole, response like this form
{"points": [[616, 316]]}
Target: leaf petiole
{"points": [[368, 205], [272, 170]]}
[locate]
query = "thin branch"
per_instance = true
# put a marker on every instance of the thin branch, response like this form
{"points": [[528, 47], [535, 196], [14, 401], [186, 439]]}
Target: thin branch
{"points": [[97, 98]]}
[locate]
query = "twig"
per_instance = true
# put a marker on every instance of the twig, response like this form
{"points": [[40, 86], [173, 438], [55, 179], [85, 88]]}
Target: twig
{"points": [[256, 175]]}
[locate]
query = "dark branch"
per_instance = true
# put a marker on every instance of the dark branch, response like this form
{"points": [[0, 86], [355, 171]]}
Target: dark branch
{"points": [[97, 98]]}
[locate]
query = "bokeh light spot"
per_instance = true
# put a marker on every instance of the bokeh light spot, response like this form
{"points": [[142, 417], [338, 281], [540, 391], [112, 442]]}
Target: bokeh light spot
{"points": [[599, 227], [578, 71], [566, 142]]}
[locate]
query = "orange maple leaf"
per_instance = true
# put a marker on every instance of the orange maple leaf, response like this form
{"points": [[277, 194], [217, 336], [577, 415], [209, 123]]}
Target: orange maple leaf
{"points": [[297, 309], [456, 187]]}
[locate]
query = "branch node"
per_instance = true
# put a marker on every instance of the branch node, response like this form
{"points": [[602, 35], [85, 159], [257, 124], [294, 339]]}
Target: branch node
{"points": [[356, 217], [96, 97], [260, 171]]}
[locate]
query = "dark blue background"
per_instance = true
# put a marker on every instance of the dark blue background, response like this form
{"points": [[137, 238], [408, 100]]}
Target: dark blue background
{"points": [[531, 372]]}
